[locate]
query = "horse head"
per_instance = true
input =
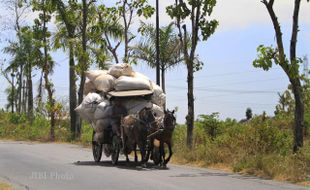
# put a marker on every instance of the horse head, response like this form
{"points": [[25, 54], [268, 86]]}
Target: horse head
{"points": [[147, 116], [169, 120]]}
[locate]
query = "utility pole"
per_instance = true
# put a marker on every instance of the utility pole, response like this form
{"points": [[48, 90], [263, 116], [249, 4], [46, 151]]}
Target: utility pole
{"points": [[157, 46], [306, 67]]}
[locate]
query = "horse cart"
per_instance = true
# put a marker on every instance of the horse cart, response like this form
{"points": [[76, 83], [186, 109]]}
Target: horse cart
{"points": [[125, 109], [112, 145]]}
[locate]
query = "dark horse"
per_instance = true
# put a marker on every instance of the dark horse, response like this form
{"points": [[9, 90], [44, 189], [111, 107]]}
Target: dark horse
{"points": [[163, 133]]}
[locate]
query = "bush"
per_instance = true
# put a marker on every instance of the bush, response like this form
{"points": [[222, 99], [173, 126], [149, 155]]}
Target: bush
{"points": [[14, 126], [261, 146]]}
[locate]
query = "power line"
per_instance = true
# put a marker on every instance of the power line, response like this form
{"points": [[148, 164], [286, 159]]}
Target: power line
{"points": [[224, 74], [233, 102], [230, 90], [232, 83]]}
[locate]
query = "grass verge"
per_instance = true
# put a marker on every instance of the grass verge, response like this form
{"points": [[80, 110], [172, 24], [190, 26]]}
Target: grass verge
{"points": [[5, 186]]}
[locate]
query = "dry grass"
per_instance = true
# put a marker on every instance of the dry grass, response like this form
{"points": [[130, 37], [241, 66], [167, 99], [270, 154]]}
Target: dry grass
{"points": [[5, 186]]}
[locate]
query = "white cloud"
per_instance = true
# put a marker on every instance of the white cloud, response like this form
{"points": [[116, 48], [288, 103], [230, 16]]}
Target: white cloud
{"points": [[235, 14], [243, 13]]}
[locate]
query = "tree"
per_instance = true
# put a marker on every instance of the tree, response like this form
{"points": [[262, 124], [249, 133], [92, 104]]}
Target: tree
{"points": [[198, 12], [42, 40], [286, 103], [65, 38], [106, 30], [269, 55], [127, 9], [211, 124], [26, 53], [83, 57], [248, 114], [14, 22], [170, 48]]}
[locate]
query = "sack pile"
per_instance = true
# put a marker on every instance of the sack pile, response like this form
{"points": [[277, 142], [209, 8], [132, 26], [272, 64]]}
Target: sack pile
{"points": [[96, 107]]}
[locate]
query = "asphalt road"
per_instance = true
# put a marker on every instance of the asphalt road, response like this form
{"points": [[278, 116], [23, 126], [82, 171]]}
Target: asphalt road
{"points": [[64, 166]]}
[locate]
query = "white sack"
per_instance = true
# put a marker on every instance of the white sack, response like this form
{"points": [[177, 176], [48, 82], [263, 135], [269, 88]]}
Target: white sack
{"points": [[88, 106], [121, 69], [130, 83], [158, 97], [89, 87], [91, 98], [104, 82], [158, 111], [92, 75], [140, 75]]}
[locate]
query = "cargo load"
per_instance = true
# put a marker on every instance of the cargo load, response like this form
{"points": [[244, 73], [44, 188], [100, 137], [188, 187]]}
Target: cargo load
{"points": [[135, 90]]}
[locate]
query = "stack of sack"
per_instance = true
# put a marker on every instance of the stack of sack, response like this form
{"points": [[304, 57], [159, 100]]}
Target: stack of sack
{"points": [[97, 109]]}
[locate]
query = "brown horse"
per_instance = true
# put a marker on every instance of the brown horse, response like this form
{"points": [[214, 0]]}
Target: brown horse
{"points": [[135, 131]]}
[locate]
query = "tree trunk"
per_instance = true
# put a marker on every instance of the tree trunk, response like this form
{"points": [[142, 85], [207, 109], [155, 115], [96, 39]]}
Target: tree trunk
{"points": [[163, 79], [80, 99], [12, 95], [20, 84], [299, 114], [296, 85], [40, 91], [115, 56], [52, 129], [126, 30], [163, 82], [48, 84], [72, 93], [84, 65], [51, 103], [190, 104], [24, 97], [29, 94]]}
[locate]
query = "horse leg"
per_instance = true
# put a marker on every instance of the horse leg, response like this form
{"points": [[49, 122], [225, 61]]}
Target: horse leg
{"points": [[143, 154], [136, 156], [161, 153], [149, 150], [170, 153], [127, 159], [125, 148]]}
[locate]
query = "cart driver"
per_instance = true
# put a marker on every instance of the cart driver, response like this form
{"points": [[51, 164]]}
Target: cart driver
{"points": [[118, 111]]}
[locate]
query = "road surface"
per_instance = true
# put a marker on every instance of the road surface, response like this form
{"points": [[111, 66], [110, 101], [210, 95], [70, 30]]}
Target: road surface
{"points": [[64, 166]]}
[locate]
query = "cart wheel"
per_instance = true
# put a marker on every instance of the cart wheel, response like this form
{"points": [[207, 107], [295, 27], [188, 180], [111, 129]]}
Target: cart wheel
{"points": [[116, 145], [156, 155], [97, 149]]}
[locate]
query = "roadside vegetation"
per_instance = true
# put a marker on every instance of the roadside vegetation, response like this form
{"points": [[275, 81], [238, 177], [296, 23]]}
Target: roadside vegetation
{"points": [[5, 186], [261, 147]]}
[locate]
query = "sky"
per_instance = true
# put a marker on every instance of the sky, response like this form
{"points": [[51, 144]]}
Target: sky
{"points": [[228, 83]]}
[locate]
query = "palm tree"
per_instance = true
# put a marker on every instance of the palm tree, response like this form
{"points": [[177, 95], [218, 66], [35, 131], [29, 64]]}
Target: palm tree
{"points": [[25, 55], [65, 38], [169, 45]]}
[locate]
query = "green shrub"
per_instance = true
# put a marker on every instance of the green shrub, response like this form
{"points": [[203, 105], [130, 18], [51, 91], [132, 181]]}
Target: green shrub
{"points": [[260, 146]]}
